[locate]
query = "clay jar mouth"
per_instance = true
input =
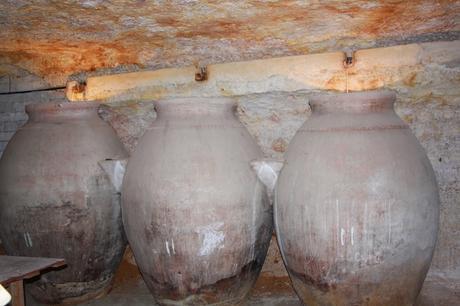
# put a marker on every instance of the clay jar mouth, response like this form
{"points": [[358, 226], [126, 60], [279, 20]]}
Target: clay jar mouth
{"points": [[63, 110], [353, 102], [195, 106]]}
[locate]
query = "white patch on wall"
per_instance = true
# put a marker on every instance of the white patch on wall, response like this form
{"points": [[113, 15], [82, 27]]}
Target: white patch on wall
{"points": [[212, 238], [115, 170]]}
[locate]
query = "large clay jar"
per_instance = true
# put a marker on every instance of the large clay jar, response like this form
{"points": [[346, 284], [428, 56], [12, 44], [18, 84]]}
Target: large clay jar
{"points": [[57, 201], [194, 212], [357, 204]]}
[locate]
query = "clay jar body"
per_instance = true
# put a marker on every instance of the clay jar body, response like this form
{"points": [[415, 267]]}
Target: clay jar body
{"points": [[357, 204], [56, 201], [195, 214]]}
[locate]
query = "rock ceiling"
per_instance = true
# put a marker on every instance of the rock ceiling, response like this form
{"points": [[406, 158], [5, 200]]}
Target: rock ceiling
{"points": [[54, 39]]}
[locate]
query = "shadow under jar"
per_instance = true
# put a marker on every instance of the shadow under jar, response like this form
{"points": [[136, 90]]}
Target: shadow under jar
{"points": [[56, 200], [357, 204]]}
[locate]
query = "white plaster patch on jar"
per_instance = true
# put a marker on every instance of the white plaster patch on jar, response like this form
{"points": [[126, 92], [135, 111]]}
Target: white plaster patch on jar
{"points": [[376, 182], [212, 238]]}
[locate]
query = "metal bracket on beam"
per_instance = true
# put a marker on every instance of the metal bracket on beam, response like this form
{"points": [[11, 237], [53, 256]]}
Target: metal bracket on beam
{"points": [[201, 73], [349, 59], [75, 90]]}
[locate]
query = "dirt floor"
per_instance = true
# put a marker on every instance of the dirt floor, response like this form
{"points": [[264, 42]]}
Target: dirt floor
{"points": [[129, 289]]}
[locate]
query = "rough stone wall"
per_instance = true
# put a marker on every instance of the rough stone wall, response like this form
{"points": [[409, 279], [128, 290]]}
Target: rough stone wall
{"points": [[12, 113]]}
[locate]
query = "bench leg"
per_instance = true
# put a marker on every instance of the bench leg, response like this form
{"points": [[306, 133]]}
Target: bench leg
{"points": [[17, 293]]}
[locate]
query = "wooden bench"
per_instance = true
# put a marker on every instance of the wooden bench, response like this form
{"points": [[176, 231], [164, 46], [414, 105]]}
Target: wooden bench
{"points": [[14, 269]]}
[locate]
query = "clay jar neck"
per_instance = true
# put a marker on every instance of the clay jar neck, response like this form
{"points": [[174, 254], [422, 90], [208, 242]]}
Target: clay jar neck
{"points": [[353, 103], [358, 111], [55, 112], [208, 108]]}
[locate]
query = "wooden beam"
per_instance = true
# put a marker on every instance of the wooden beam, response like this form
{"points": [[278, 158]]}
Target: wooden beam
{"points": [[371, 69]]}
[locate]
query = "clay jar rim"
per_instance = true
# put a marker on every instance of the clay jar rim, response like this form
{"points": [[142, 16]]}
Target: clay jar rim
{"points": [[56, 107], [187, 106], [353, 102], [52, 111]]}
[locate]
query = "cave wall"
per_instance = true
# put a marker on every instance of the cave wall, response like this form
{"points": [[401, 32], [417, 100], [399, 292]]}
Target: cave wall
{"points": [[44, 43], [12, 114]]}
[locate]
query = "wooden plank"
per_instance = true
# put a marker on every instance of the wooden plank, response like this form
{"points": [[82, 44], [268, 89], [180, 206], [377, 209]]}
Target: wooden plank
{"points": [[14, 268], [17, 293], [372, 69]]}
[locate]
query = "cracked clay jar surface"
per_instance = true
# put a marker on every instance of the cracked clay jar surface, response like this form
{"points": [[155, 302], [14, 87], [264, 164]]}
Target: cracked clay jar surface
{"points": [[195, 214], [357, 204], [56, 201]]}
